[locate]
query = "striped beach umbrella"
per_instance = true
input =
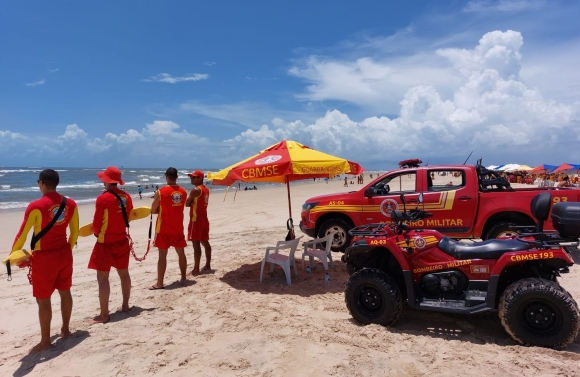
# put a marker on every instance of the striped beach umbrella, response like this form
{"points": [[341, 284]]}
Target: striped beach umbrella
{"points": [[285, 162]]}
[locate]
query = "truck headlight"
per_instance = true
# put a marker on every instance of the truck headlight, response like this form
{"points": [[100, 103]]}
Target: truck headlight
{"points": [[309, 206]]}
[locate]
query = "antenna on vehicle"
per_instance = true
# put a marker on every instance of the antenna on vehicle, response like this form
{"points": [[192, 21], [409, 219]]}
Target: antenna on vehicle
{"points": [[427, 164], [468, 158]]}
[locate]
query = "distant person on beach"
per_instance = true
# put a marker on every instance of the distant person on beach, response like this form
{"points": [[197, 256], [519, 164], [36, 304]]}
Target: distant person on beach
{"points": [[564, 182], [52, 258], [112, 248], [345, 182], [169, 202], [140, 191], [198, 229]]}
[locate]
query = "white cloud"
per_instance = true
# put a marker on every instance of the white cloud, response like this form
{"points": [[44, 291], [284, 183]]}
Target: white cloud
{"points": [[35, 83], [54, 70], [131, 136], [209, 63], [73, 132], [161, 127], [370, 83], [97, 146], [8, 135], [503, 5], [167, 78]]}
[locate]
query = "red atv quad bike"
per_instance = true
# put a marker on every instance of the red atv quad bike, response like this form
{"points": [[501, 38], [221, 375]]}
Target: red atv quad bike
{"points": [[517, 276]]}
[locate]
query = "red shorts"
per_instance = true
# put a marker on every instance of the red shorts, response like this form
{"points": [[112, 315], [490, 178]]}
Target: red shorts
{"points": [[110, 254], [198, 230], [165, 241], [51, 269]]}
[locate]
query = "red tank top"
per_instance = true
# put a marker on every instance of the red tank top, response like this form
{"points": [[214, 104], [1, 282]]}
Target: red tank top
{"points": [[171, 205], [108, 222], [198, 209]]}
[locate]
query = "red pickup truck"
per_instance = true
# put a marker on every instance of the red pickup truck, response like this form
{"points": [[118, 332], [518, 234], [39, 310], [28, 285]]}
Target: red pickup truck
{"points": [[466, 201]]}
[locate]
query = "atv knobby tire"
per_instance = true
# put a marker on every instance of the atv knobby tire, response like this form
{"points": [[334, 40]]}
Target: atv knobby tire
{"points": [[372, 296], [539, 312]]}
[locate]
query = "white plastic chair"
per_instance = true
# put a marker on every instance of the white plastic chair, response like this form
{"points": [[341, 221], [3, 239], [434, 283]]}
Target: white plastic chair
{"points": [[284, 261], [311, 250]]}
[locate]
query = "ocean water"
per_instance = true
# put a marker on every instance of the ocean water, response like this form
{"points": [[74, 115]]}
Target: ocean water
{"points": [[18, 186]]}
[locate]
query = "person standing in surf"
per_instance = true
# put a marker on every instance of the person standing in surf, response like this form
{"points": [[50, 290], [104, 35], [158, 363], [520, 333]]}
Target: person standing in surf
{"points": [[52, 260], [198, 229], [112, 248], [169, 203]]}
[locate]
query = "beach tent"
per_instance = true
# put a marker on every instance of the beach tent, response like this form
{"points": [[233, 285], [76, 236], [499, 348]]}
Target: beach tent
{"points": [[285, 162], [567, 169], [542, 169], [508, 167], [493, 167], [519, 168]]}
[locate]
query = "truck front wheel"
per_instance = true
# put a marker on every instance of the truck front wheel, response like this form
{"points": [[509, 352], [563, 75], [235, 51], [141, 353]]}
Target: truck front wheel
{"points": [[341, 237]]}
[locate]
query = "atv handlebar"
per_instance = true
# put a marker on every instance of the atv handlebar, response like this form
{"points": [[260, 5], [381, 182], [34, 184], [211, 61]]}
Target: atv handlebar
{"points": [[412, 215]]}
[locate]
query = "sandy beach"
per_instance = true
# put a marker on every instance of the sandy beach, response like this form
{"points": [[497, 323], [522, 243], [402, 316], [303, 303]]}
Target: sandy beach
{"points": [[227, 323]]}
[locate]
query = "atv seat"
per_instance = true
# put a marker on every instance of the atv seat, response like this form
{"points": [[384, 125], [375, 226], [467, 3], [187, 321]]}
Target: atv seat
{"points": [[490, 249]]}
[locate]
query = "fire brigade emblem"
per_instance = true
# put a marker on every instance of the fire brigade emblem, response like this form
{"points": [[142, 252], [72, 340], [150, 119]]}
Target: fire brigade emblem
{"points": [[62, 216], [388, 206], [123, 200], [268, 160], [176, 197], [420, 243]]}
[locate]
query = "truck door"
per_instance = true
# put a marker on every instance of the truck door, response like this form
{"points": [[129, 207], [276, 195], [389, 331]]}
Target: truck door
{"points": [[386, 194], [451, 201]]}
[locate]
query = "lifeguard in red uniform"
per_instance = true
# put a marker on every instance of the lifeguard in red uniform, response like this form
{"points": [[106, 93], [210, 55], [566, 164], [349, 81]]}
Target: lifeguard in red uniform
{"points": [[198, 229], [168, 204], [112, 248], [52, 260]]}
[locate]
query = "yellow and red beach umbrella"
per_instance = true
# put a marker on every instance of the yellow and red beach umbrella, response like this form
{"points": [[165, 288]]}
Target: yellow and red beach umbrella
{"points": [[285, 162]]}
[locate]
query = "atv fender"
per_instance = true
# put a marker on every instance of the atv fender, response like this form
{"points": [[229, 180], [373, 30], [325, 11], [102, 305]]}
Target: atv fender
{"points": [[360, 251]]}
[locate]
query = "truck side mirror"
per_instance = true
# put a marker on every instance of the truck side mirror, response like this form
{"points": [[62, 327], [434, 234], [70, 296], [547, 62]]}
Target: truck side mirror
{"points": [[369, 192]]}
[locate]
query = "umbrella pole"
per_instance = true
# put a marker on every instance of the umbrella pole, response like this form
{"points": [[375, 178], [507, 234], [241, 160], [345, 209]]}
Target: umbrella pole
{"points": [[289, 203]]}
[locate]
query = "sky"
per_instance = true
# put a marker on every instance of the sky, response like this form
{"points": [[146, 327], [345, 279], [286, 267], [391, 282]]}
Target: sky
{"points": [[205, 84]]}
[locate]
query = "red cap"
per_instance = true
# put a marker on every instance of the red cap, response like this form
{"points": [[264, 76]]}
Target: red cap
{"points": [[197, 173], [111, 175]]}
